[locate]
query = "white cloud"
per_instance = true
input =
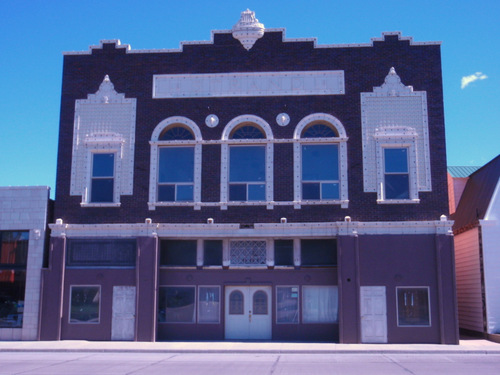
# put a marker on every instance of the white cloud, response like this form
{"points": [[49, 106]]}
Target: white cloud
{"points": [[473, 77]]}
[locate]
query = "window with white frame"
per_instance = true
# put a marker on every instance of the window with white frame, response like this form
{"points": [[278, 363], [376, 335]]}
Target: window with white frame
{"points": [[175, 177], [320, 304], [287, 304], [246, 162], [208, 304], [102, 178], [85, 304], [320, 161], [413, 306], [396, 183]]}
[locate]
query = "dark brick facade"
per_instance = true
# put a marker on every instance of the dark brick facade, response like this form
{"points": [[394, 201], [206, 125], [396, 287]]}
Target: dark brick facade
{"points": [[364, 68]]}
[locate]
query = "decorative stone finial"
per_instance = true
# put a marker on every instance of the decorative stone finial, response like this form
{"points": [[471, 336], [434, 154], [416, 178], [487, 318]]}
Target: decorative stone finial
{"points": [[393, 86], [248, 29]]}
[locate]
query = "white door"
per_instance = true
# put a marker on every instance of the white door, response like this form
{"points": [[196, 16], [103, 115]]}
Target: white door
{"points": [[373, 314], [123, 322], [248, 312]]}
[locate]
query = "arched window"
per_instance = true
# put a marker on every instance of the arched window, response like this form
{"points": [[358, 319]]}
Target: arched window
{"points": [[246, 159], [260, 303], [175, 163], [236, 303], [320, 160]]}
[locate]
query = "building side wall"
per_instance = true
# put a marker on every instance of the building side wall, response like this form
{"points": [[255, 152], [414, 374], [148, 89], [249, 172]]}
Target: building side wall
{"points": [[468, 271], [490, 230], [26, 209]]}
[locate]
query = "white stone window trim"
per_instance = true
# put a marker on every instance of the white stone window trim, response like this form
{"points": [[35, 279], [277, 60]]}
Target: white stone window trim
{"points": [[341, 141], [409, 143], [156, 144], [98, 145], [227, 142]]}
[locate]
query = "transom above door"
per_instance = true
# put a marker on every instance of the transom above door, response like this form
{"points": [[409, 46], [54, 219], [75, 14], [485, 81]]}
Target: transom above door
{"points": [[248, 312]]}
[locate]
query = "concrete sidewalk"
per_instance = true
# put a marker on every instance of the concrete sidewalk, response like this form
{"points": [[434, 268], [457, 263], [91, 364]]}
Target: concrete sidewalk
{"points": [[475, 346]]}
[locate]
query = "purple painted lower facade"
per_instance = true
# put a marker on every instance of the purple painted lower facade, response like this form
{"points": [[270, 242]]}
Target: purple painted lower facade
{"points": [[401, 284]]}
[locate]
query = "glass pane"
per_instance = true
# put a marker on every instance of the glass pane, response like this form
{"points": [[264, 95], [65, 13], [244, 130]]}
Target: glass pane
{"points": [[14, 248], [177, 304], [176, 164], [178, 133], [283, 252], [257, 192], [247, 252], [311, 190], [166, 193], [212, 252], [318, 252], [184, 193], [208, 304], [319, 131], [397, 186], [320, 304], [236, 303], [413, 307], [248, 132], [85, 302], [12, 287], [178, 253], [287, 301], [238, 192], [320, 163], [102, 190], [259, 303], [330, 191], [103, 165], [396, 160], [247, 163], [101, 253]]}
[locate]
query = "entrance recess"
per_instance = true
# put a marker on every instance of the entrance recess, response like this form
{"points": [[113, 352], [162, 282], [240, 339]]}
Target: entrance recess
{"points": [[248, 312], [373, 314]]}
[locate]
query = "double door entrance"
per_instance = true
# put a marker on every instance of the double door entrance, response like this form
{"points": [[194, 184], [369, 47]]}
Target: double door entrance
{"points": [[248, 312]]}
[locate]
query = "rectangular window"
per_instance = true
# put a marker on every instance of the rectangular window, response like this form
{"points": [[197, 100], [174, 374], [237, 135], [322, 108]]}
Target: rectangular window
{"points": [[287, 304], [176, 304], [320, 172], [13, 261], [12, 288], [14, 249], [396, 175], [103, 175], [413, 307], [178, 253], [101, 253], [85, 304], [247, 173], [283, 253], [176, 174], [320, 304], [208, 304], [247, 253], [212, 253], [318, 252]]}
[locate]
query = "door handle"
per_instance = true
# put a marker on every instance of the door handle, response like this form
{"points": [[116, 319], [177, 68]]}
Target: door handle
{"points": [[250, 315]]}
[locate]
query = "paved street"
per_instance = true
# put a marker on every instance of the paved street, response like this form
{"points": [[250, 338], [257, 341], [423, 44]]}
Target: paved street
{"points": [[113, 363]]}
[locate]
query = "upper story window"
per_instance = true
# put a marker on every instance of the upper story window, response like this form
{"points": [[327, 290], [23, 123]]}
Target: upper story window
{"points": [[175, 176], [396, 156], [102, 165], [246, 163], [103, 177], [320, 161], [396, 176]]}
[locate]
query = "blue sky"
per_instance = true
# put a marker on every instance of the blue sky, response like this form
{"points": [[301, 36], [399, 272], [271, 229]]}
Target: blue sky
{"points": [[33, 35]]}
